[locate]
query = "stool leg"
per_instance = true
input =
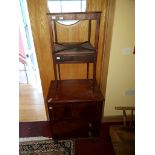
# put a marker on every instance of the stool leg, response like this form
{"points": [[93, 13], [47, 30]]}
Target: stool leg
{"points": [[124, 118]]}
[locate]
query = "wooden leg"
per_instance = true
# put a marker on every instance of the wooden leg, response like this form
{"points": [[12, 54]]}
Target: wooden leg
{"points": [[131, 122], [87, 71], [59, 71], [94, 75], [124, 118], [89, 30], [55, 74], [94, 71]]}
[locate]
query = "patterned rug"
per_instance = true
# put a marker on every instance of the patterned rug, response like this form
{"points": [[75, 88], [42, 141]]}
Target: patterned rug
{"points": [[45, 146]]}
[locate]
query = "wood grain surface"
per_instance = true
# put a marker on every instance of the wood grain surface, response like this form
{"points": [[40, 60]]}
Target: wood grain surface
{"points": [[41, 35], [110, 9], [40, 29]]}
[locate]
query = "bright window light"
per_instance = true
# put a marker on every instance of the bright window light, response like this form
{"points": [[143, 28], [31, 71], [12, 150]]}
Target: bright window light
{"points": [[59, 6]]}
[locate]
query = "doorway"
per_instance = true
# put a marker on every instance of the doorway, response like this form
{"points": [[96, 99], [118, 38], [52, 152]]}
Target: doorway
{"points": [[31, 102]]}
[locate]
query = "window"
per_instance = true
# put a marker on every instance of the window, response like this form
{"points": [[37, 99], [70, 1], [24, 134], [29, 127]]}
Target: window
{"points": [[59, 6], [25, 24]]}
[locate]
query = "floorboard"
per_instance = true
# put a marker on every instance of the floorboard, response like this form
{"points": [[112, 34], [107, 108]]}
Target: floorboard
{"points": [[31, 104]]}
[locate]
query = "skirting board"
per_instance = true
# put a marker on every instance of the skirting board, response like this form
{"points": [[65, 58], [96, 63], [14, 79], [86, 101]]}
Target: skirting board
{"points": [[118, 118]]}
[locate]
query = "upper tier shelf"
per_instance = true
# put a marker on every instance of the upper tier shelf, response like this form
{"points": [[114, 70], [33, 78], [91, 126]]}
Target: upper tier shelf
{"points": [[69, 52], [67, 48], [74, 52]]}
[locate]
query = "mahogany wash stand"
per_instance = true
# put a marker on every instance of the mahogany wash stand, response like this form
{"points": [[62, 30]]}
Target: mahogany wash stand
{"points": [[74, 106]]}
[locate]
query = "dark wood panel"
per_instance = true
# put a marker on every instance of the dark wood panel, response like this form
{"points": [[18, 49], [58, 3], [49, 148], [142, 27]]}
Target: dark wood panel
{"points": [[85, 111], [70, 59], [75, 129]]}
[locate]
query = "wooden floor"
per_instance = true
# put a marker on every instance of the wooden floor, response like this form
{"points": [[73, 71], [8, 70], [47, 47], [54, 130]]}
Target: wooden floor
{"points": [[31, 104]]}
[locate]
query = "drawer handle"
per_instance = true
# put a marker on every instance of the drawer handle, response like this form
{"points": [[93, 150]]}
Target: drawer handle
{"points": [[50, 108], [58, 58], [89, 133], [90, 125], [49, 100]]}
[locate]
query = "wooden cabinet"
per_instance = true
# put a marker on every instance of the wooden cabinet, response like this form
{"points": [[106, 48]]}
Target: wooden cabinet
{"points": [[75, 106]]}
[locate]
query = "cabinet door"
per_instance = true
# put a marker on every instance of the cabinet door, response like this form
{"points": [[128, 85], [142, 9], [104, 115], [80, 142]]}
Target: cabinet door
{"points": [[85, 111], [62, 112]]}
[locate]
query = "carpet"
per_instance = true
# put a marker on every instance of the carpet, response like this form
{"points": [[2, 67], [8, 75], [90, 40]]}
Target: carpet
{"points": [[45, 146], [123, 140]]}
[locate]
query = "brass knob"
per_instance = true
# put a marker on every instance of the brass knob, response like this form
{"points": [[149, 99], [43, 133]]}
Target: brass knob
{"points": [[50, 108], [90, 125], [49, 100]]}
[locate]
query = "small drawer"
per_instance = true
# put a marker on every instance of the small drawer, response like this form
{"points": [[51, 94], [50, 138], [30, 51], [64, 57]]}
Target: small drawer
{"points": [[78, 58], [74, 128]]}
